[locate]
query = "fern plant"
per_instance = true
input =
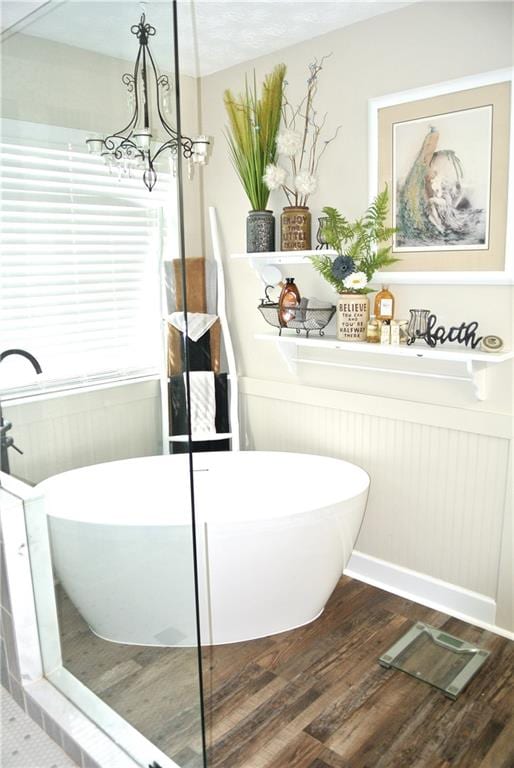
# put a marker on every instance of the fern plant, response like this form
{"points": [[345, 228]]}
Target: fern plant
{"points": [[252, 136], [360, 245]]}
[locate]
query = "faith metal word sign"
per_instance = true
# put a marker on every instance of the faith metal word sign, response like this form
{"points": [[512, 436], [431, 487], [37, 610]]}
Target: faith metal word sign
{"points": [[465, 333]]}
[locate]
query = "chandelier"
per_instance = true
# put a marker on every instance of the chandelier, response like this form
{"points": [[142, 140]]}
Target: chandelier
{"points": [[133, 147]]}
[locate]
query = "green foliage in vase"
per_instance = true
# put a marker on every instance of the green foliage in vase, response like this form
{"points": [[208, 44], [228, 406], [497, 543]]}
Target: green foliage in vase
{"points": [[360, 245], [252, 134]]}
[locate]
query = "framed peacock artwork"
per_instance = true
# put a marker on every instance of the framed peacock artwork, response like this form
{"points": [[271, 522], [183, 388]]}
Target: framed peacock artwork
{"points": [[444, 152]]}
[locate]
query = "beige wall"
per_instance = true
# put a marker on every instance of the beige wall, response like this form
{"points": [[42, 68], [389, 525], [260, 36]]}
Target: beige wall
{"points": [[413, 47]]}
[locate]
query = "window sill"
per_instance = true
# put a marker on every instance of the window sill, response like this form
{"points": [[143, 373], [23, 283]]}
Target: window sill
{"points": [[66, 389]]}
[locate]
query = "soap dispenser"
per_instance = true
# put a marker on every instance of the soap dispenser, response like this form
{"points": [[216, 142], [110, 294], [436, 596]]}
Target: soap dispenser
{"points": [[288, 302]]}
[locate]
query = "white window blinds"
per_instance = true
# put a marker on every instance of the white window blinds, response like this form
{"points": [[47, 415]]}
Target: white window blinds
{"points": [[80, 267]]}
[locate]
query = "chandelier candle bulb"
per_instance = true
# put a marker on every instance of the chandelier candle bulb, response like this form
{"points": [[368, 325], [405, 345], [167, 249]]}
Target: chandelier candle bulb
{"points": [[95, 146], [200, 149], [143, 138]]}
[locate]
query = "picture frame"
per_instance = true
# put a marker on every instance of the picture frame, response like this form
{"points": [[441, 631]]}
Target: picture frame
{"points": [[464, 237]]}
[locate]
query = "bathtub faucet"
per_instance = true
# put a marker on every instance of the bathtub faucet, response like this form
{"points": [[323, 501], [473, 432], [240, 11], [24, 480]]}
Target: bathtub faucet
{"points": [[22, 353], [6, 441]]}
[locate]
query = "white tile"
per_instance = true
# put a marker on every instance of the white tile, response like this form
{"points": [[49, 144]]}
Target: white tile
{"points": [[73, 722], [24, 744]]}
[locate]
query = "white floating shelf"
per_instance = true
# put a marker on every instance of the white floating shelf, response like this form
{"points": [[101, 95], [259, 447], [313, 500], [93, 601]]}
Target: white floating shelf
{"points": [[418, 349], [282, 257], [475, 362]]}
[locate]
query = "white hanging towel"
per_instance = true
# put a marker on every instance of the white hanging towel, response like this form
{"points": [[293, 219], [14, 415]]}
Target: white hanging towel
{"points": [[203, 401], [198, 323]]}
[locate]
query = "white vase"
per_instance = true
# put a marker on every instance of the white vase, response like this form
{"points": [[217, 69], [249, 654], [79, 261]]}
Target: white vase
{"points": [[352, 315]]}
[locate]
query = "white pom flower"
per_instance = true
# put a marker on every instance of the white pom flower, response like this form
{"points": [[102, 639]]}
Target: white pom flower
{"points": [[274, 176], [305, 183], [289, 142], [355, 281]]}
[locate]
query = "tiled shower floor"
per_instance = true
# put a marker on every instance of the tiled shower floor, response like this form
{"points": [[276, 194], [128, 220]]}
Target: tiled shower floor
{"points": [[24, 743]]}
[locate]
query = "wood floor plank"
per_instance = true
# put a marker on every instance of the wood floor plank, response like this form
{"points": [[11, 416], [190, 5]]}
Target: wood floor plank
{"points": [[235, 689], [319, 763], [219, 727], [248, 736], [418, 744], [314, 697], [117, 674], [470, 732], [291, 730], [473, 754], [332, 719], [329, 759], [400, 606], [298, 752], [388, 708], [501, 752], [349, 639]]}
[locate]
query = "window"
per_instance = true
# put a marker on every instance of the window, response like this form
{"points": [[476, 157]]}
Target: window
{"points": [[80, 267]]}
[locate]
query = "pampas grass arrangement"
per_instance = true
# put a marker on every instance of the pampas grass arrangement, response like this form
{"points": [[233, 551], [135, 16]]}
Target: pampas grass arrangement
{"points": [[252, 134]]}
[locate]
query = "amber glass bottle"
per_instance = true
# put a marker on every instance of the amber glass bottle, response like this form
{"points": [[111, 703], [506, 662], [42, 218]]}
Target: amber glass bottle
{"points": [[288, 302], [384, 304]]}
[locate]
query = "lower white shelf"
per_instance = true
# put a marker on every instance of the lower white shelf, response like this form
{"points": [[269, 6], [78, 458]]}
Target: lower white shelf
{"points": [[475, 362]]}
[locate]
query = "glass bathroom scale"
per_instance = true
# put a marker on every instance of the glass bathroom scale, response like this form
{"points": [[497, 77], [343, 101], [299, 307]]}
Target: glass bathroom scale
{"points": [[431, 655]]}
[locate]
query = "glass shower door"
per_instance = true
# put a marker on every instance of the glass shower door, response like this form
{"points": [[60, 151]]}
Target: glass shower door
{"points": [[109, 512]]}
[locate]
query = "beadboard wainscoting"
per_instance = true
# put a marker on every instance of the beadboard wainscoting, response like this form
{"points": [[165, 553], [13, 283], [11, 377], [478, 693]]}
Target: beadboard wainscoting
{"points": [[76, 429], [433, 525]]}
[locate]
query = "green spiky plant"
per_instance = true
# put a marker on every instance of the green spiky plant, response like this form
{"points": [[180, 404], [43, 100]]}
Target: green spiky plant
{"points": [[360, 245], [253, 126]]}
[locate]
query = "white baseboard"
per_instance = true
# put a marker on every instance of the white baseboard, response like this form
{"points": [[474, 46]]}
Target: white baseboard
{"points": [[461, 603]]}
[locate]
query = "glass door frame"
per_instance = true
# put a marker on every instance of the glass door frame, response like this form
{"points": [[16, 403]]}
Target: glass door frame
{"points": [[34, 609], [82, 714]]}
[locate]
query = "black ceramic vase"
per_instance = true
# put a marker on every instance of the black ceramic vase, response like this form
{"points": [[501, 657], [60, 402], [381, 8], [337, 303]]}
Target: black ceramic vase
{"points": [[260, 231]]}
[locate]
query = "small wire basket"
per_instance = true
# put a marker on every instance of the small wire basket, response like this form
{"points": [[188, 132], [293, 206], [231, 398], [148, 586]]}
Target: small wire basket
{"points": [[302, 319]]}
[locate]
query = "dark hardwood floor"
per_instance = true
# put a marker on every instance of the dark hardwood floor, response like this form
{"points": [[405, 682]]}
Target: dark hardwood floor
{"points": [[314, 697]]}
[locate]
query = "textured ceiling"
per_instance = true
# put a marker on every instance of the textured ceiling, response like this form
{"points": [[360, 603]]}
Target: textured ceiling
{"points": [[214, 34], [14, 12]]}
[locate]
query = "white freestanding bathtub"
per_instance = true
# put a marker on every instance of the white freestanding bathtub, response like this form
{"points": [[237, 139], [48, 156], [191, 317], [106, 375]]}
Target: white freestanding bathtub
{"points": [[274, 533]]}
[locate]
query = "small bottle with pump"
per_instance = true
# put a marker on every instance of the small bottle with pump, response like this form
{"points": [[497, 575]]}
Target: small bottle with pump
{"points": [[384, 304], [288, 302]]}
